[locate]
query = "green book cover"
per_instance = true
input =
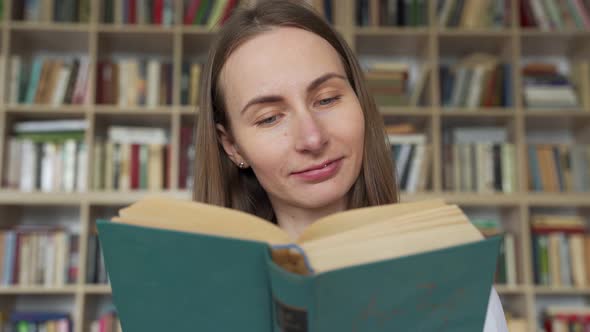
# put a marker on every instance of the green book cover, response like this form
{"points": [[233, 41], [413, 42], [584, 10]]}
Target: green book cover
{"points": [[165, 280]]}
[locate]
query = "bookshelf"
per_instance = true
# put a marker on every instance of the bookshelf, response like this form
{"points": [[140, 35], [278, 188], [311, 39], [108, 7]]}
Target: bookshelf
{"points": [[429, 45]]}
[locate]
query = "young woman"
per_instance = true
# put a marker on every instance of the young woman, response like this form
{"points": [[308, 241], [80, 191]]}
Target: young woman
{"points": [[286, 128]]}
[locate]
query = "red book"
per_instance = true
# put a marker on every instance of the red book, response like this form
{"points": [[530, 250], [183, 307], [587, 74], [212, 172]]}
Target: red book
{"points": [[191, 12], [526, 14], [157, 11], [227, 11], [135, 166], [132, 12]]}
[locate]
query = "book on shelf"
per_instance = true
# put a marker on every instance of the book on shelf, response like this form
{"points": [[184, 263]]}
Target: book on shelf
{"points": [[506, 268], [560, 250], [187, 158], [566, 318], [389, 82], [47, 155], [559, 167], [580, 78], [411, 154], [422, 264], [546, 88], [555, 14], [478, 80], [209, 13], [466, 14], [36, 255], [134, 82], [25, 321], [95, 269], [107, 322], [157, 12], [132, 158], [400, 13], [478, 159], [189, 83], [50, 80]]}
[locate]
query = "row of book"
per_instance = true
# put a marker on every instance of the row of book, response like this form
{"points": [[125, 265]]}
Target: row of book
{"points": [[388, 82], [132, 158], [38, 255], [402, 13], [107, 322], [208, 12], [48, 80], [33, 321], [47, 156], [159, 12], [57, 11], [474, 14], [555, 14], [478, 160], [506, 268], [566, 319], [477, 81], [189, 83], [134, 82], [559, 168], [411, 153], [561, 250]]}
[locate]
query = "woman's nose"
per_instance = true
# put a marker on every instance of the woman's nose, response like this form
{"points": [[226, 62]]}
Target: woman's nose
{"points": [[310, 134]]}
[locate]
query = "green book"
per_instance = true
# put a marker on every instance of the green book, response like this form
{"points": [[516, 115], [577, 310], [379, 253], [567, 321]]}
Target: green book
{"points": [[177, 279]]}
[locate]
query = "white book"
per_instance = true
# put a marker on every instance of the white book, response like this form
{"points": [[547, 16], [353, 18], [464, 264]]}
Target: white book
{"points": [[47, 167], [458, 86], [59, 259], [508, 168], [46, 126], [58, 166], [406, 139], [49, 272], [81, 168], [94, 327], [565, 266], [153, 83], [80, 89], [28, 162], [540, 15], [137, 135], [474, 91], [155, 167], [131, 90], [416, 166], [62, 83], [510, 257], [69, 171], [577, 254]]}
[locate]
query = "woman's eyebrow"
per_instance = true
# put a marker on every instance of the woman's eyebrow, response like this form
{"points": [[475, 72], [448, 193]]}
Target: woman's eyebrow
{"points": [[276, 98]]}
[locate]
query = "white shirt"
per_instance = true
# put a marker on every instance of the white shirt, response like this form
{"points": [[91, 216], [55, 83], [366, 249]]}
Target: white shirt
{"points": [[495, 319]]}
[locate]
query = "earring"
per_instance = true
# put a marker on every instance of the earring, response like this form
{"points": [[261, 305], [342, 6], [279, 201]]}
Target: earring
{"points": [[241, 165]]}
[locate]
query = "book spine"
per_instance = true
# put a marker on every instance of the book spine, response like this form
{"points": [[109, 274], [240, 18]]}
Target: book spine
{"points": [[292, 300]]}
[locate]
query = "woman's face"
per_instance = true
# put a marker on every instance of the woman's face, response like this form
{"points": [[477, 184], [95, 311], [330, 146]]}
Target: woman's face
{"points": [[294, 117]]}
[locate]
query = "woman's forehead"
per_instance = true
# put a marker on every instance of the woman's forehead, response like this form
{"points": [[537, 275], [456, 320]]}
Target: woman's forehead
{"points": [[283, 58]]}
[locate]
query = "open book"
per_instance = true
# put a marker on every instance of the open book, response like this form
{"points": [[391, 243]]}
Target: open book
{"points": [[180, 265]]}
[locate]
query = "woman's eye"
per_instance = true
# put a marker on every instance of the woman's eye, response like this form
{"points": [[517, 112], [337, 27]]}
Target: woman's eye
{"points": [[268, 121], [328, 101]]}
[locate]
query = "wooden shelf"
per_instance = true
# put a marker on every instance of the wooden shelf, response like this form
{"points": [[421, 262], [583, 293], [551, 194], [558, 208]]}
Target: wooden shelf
{"points": [[180, 42]]}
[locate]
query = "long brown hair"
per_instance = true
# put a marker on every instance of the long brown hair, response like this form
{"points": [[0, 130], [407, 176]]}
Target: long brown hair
{"points": [[218, 180]]}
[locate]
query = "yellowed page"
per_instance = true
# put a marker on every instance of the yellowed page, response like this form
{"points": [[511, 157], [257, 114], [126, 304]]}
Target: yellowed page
{"points": [[195, 217], [356, 253], [351, 219], [411, 222]]}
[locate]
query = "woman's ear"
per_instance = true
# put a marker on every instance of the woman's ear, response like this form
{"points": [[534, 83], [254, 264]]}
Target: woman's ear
{"points": [[228, 143]]}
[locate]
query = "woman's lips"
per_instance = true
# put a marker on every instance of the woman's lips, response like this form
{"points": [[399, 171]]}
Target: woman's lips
{"points": [[320, 173]]}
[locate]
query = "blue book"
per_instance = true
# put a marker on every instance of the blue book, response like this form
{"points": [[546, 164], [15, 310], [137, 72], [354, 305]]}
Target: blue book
{"points": [[183, 266], [534, 169], [508, 87]]}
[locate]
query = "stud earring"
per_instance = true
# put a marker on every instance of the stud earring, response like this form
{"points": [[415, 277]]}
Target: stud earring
{"points": [[242, 165]]}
